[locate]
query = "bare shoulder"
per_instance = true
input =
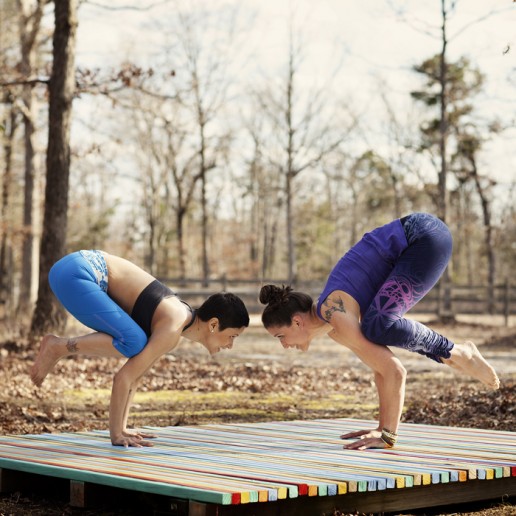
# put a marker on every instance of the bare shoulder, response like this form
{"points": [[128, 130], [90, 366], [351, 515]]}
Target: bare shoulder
{"points": [[339, 301], [171, 315], [342, 312]]}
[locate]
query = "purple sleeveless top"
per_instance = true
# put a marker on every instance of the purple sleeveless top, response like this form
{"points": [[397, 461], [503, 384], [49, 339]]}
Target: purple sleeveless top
{"points": [[365, 267]]}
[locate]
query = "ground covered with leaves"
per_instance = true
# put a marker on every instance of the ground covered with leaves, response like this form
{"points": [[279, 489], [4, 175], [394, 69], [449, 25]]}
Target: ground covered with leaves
{"points": [[256, 381]]}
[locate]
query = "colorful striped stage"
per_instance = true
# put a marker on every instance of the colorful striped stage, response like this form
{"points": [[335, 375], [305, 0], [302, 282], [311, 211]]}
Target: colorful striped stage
{"points": [[267, 468]]}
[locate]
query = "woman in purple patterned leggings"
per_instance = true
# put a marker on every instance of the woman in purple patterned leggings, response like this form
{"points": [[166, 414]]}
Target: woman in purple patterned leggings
{"points": [[362, 306]]}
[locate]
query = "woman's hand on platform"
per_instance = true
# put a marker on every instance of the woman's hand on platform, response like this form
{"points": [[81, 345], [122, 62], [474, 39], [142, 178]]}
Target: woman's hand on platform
{"points": [[366, 439], [138, 434], [132, 438], [364, 443], [130, 442], [363, 434]]}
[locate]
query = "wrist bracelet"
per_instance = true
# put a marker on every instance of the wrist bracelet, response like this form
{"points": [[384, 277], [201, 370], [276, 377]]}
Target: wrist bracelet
{"points": [[388, 437]]}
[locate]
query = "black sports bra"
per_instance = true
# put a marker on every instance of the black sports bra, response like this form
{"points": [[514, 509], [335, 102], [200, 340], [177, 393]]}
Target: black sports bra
{"points": [[147, 302]]}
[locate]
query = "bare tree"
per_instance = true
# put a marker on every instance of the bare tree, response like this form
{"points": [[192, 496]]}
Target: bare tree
{"points": [[467, 156], [263, 188], [300, 138], [9, 125], [9, 122], [30, 15], [401, 158], [443, 119], [61, 91], [440, 76], [172, 173], [204, 93]]}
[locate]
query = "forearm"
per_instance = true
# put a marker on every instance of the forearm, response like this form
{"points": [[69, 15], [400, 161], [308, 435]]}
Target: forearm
{"points": [[389, 377], [130, 398], [391, 394], [119, 406]]}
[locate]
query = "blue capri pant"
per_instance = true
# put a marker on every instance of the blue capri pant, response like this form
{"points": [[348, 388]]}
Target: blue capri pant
{"points": [[415, 272], [79, 281]]}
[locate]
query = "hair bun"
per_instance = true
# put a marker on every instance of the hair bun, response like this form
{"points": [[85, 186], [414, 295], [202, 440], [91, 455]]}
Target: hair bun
{"points": [[272, 294]]}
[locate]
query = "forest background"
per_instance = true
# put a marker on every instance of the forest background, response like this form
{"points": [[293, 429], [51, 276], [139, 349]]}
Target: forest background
{"points": [[250, 140]]}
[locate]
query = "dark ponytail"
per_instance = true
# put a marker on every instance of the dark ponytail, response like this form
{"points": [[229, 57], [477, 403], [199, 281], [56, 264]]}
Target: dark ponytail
{"points": [[281, 304]]}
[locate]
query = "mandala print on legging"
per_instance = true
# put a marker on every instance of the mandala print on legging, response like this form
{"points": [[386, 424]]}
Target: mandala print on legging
{"points": [[422, 224], [396, 297]]}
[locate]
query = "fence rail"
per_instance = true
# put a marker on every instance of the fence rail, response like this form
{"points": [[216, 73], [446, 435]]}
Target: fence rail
{"points": [[465, 299]]}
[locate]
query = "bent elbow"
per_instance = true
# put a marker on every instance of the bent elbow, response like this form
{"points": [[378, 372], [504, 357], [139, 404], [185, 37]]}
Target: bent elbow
{"points": [[122, 381], [400, 374], [395, 374]]}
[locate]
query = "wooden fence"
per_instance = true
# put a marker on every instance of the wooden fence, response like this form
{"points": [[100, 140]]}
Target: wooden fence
{"points": [[465, 299]]}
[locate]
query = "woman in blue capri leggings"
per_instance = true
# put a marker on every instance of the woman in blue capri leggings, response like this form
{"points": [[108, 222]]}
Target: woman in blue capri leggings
{"points": [[134, 316], [363, 305]]}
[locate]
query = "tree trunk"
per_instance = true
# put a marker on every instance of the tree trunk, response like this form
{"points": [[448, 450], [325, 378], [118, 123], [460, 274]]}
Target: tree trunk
{"points": [[204, 202], [30, 21], [269, 244], [48, 314], [291, 253], [289, 172], [27, 280], [488, 239], [445, 308], [180, 217], [204, 224], [443, 122], [6, 291]]}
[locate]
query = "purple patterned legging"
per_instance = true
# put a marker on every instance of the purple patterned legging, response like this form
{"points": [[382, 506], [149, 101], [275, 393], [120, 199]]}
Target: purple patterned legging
{"points": [[416, 271]]}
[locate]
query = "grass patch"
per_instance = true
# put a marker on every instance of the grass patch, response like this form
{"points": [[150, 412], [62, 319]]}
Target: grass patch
{"points": [[171, 407]]}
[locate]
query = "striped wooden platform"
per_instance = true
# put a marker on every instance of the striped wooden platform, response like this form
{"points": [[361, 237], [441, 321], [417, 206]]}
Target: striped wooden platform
{"points": [[267, 468]]}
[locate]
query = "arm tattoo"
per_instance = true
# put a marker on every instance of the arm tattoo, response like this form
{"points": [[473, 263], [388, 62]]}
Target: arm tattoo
{"points": [[71, 345], [337, 305]]}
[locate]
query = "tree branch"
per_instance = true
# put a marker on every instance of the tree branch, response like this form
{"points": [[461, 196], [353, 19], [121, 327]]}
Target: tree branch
{"points": [[23, 82]]}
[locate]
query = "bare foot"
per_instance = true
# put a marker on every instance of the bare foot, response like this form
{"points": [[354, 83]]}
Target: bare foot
{"points": [[48, 356], [467, 358]]}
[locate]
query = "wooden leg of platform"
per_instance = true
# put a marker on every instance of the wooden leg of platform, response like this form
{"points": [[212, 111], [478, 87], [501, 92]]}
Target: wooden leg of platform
{"points": [[77, 493], [253, 509], [86, 494], [211, 509], [178, 507], [200, 509]]}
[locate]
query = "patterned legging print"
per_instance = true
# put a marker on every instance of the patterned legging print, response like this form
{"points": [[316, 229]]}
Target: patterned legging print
{"points": [[417, 270]]}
